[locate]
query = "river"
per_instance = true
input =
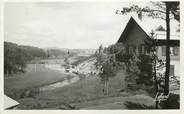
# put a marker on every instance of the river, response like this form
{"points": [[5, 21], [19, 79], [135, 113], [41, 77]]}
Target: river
{"points": [[72, 78]]}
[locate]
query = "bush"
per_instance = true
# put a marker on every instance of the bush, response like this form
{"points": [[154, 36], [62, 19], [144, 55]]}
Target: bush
{"points": [[173, 102], [134, 106]]}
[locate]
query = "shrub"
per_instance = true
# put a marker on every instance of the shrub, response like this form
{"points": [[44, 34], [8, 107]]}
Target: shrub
{"points": [[173, 102]]}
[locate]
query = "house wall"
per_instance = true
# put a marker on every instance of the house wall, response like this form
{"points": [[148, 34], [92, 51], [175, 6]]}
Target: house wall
{"points": [[174, 60], [176, 64]]}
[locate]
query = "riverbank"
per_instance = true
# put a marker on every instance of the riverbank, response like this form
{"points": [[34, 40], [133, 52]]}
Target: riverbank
{"points": [[31, 79], [89, 88]]}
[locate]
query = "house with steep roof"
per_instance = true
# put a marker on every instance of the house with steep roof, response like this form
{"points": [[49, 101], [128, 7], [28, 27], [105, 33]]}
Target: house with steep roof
{"points": [[134, 37]]}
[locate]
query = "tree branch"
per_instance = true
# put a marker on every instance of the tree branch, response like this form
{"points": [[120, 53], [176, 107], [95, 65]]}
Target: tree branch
{"points": [[159, 11]]}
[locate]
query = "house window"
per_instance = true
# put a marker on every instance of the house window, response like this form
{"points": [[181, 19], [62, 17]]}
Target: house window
{"points": [[172, 70], [163, 50], [148, 50], [141, 49], [176, 51], [132, 49], [172, 51]]}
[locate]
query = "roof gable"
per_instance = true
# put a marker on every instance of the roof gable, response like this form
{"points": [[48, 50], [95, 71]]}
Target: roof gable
{"points": [[131, 23], [146, 29]]}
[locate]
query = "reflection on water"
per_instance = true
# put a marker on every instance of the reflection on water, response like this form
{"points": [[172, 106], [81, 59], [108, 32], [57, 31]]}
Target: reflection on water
{"points": [[60, 84], [71, 78]]}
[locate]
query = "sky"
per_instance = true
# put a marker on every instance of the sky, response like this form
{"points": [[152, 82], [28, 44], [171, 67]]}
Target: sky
{"points": [[74, 25]]}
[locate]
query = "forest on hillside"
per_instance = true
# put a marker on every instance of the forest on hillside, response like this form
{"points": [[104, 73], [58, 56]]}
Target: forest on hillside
{"points": [[17, 56]]}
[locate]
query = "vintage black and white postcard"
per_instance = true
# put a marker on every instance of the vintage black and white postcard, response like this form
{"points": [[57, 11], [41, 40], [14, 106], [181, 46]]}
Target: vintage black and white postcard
{"points": [[91, 55]]}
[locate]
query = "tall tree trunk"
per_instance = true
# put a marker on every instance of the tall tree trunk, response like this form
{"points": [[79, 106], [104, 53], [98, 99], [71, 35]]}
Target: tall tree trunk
{"points": [[166, 89], [155, 77], [154, 67]]}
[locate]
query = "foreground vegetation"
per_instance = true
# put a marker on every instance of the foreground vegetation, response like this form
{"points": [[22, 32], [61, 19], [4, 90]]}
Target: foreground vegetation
{"points": [[83, 94]]}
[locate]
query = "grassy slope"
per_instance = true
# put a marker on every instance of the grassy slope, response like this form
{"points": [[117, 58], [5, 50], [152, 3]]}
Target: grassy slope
{"points": [[84, 90], [119, 102], [32, 79]]}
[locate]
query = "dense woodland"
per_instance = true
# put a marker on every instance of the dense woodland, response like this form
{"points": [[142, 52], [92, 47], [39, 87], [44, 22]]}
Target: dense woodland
{"points": [[17, 56]]}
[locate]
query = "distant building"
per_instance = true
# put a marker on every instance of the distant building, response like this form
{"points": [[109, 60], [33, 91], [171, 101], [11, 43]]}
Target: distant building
{"points": [[9, 103], [134, 37]]}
